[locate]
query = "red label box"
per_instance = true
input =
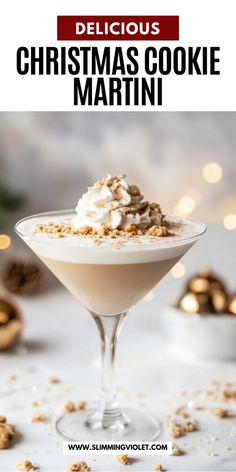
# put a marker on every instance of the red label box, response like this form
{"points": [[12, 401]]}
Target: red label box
{"points": [[117, 28]]}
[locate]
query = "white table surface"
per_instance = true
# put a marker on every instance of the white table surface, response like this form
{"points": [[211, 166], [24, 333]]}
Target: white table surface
{"points": [[60, 340]]}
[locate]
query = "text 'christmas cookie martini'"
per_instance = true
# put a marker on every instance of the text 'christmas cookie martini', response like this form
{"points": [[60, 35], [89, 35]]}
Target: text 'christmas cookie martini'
{"points": [[109, 253]]}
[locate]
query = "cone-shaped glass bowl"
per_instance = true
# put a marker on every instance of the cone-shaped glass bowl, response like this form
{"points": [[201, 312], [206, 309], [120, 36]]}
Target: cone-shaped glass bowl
{"points": [[108, 280]]}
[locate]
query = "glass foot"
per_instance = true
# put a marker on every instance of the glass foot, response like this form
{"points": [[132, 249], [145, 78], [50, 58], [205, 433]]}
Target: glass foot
{"points": [[140, 427]]}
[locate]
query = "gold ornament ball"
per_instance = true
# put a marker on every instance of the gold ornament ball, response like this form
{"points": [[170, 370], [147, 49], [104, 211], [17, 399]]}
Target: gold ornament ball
{"points": [[219, 301], [205, 281], [205, 293], [11, 323], [196, 303], [231, 308], [189, 303]]}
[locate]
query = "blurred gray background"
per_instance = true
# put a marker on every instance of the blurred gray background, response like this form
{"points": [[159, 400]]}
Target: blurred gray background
{"points": [[52, 157]]}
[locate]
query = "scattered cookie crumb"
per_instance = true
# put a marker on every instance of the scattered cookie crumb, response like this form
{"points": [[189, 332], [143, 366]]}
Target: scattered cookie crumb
{"points": [[158, 231], [123, 459], [228, 395], [181, 412], [228, 384], [199, 408], [38, 418], [176, 451], [69, 407], [7, 434], [3, 419], [176, 430], [11, 377], [79, 467], [190, 426], [26, 466], [34, 403], [158, 468], [105, 231], [220, 412], [82, 405], [54, 380]]}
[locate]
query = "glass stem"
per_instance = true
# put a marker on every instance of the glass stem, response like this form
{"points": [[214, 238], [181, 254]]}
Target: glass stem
{"points": [[108, 414]]}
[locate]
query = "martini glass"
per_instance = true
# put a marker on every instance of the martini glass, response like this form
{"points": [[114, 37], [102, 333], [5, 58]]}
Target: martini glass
{"points": [[108, 281]]}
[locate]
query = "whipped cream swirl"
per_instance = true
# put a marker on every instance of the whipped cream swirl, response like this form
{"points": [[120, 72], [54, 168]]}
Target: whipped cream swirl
{"points": [[115, 203]]}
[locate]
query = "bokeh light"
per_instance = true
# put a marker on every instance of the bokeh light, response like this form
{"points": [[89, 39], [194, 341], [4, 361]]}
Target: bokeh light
{"points": [[232, 305], [185, 206], [5, 241], [4, 317], [212, 172], [230, 221], [189, 303], [178, 270]]}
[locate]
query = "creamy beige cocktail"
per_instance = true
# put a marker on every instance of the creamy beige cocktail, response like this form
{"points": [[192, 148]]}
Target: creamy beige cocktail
{"points": [[114, 249], [109, 253]]}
